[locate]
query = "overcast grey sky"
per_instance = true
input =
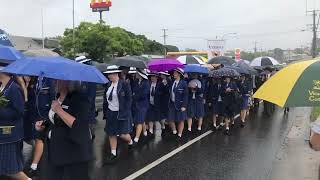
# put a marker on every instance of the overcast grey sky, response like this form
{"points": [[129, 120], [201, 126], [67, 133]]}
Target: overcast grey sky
{"points": [[273, 23]]}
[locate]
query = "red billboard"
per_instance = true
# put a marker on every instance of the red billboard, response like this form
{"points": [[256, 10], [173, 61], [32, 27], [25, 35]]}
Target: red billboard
{"points": [[100, 4]]}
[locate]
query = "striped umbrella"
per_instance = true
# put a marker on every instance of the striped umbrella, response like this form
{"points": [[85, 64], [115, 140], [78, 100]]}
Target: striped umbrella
{"points": [[264, 61], [189, 59], [297, 85]]}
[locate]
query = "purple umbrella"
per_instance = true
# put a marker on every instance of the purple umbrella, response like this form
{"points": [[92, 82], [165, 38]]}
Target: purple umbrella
{"points": [[161, 65]]}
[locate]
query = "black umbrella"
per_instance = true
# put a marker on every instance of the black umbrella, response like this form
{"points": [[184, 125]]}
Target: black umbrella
{"points": [[224, 72], [221, 60], [238, 69], [129, 61], [243, 65], [102, 67]]}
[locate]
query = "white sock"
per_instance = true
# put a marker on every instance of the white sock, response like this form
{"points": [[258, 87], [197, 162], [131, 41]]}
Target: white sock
{"points": [[151, 131], [215, 125], [131, 142], [145, 133], [180, 135], [227, 128], [34, 166], [189, 129], [174, 132], [136, 140], [114, 152], [163, 127], [199, 128], [221, 124], [29, 179]]}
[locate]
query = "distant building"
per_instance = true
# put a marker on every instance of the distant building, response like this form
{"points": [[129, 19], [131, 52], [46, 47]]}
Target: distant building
{"points": [[23, 43]]}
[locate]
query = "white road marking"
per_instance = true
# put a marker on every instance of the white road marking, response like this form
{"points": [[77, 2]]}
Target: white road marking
{"points": [[167, 156]]}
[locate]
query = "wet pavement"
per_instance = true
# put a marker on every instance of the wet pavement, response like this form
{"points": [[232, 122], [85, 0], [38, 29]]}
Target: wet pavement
{"points": [[247, 154]]}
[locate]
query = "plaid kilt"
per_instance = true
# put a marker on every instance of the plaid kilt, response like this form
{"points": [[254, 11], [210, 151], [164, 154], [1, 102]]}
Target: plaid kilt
{"points": [[11, 159]]}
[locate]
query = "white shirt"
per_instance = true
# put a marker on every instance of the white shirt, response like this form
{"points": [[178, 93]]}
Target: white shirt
{"points": [[173, 97], [114, 104], [153, 86], [51, 118]]}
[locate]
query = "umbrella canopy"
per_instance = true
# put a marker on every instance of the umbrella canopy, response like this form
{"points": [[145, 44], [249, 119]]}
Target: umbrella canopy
{"points": [[4, 39], [193, 68], [129, 61], [238, 69], [204, 59], [40, 52], [264, 61], [189, 59], [224, 72], [162, 65], [243, 65], [9, 54], [297, 85], [221, 60], [102, 67], [56, 68]]}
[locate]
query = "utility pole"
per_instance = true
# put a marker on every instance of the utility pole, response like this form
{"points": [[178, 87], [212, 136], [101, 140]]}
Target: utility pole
{"points": [[314, 31], [73, 32], [165, 40], [42, 28], [255, 46]]}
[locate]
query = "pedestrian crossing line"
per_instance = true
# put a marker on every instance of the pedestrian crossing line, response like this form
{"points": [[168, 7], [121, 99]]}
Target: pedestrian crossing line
{"points": [[167, 156]]}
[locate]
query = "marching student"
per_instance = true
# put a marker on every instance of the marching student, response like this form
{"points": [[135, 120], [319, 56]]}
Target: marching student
{"points": [[178, 103], [245, 89], [195, 102], [164, 99], [140, 97], [117, 111]]}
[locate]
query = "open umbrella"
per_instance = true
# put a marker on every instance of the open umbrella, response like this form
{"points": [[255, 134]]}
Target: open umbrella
{"points": [[39, 52], [264, 61], [189, 59], [221, 60], [4, 39], [56, 68], [193, 68], [224, 72], [129, 61], [102, 67], [238, 69], [297, 85], [9, 54], [162, 65], [243, 65]]}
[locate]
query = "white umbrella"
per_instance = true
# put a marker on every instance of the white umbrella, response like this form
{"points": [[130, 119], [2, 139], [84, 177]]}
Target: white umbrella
{"points": [[264, 61], [188, 59]]}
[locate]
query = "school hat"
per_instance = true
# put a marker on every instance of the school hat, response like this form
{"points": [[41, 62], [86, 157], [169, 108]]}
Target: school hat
{"points": [[164, 73], [112, 69], [82, 59], [142, 73], [153, 74], [132, 70], [180, 71]]}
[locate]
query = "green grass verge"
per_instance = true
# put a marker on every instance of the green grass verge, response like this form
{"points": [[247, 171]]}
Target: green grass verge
{"points": [[315, 113]]}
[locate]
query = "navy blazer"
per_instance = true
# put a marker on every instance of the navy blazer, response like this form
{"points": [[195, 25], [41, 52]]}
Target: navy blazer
{"points": [[245, 88], [91, 90], [12, 114], [214, 92], [228, 97], [181, 94], [71, 145], [157, 94], [141, 94], [125, 101], [164, 96], [198, 93]]}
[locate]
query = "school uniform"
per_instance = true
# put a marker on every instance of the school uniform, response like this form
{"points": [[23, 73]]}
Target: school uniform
{"points": [[214, 97], [117, 102], [91, 90], [228, 99], [245, 89], [178, 99], [70, 148], [195, 102], [164, 97], [11, 130], [153, 113], [141, 98]]}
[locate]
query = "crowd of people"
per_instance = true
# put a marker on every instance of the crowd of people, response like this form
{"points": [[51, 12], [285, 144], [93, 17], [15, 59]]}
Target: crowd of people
{"points": [[58, 117]]}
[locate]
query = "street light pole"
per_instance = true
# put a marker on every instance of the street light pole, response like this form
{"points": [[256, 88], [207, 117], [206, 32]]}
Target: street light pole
{"points": [[73, 33], [42, 31]]}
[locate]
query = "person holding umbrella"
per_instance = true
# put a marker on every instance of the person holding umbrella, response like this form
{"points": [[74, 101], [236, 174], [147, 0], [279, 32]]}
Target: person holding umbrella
{"points": [[141, 99], [195, 101], [228, 98], [117, 111], [245, 89], [153, 113], [178, 102], [11, 128]]}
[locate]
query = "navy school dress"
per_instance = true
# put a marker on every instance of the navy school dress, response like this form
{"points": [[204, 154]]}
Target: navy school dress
{"points": [[118, 121], [91, 90], [245, 89], [153, 113], [140, 97], [228, 99], [195, 102], [11, 131], [214, 96], [178, 99], [164, 99], [38, 106]]}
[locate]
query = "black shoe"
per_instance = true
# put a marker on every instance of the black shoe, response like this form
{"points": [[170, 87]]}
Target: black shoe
{"points": [[214, 128], [232, 125], [243, 124], [227, 132], [178, 138], [111, 159], [31, 173]]}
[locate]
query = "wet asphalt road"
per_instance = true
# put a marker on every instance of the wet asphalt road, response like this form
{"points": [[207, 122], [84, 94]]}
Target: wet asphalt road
{"points": [[246, 154]]}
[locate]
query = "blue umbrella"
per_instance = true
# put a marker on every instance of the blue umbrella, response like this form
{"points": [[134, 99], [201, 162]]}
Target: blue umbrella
{"points": [[56, 68], [4, 39], [9, 54], [192, 68]]}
